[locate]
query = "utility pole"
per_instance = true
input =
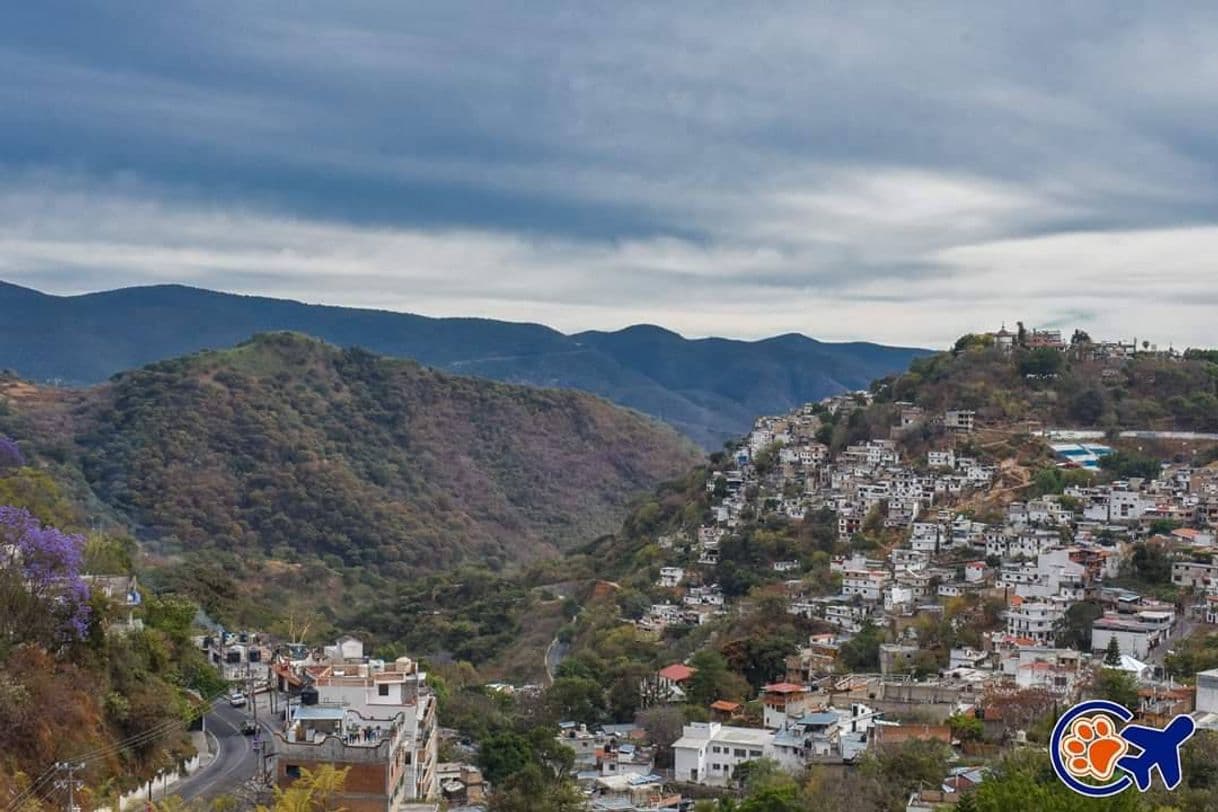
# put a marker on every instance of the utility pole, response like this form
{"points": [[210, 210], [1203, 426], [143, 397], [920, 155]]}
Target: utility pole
{"points": [[70, 783], [253, 698]]}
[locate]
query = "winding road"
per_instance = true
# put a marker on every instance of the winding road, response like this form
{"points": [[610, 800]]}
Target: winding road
{"points": [[234, 763]]}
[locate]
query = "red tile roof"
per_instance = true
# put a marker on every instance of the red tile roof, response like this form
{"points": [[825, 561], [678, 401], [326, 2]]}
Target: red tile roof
{"points": [[677, 672]]}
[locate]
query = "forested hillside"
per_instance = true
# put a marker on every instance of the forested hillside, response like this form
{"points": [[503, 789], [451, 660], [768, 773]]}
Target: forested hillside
{"points": [[290, 448], [75, 683], [1070, 388]]}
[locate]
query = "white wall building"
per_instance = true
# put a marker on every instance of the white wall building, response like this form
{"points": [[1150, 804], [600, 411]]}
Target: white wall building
{"points": [[708, 752]]}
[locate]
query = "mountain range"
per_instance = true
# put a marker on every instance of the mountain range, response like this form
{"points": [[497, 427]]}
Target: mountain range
{"points": [[710, 389]]}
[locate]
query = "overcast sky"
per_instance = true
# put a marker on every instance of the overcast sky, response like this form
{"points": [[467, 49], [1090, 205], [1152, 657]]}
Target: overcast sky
{"points": [[901, 172]]}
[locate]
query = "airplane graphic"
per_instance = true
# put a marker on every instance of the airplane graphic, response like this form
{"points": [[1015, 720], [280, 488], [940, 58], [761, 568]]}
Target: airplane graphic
{"points": [[1160, 749]]}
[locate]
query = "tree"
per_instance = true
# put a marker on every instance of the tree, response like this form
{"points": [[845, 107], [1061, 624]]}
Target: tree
{"points": [[1074, 631], [10, 454], [862, 652], [965, 726], [1112, 654], [1125, 464], [663, 725], [503, 755], [711, 680], [1041, 361], [1024, 780], [531, 790], [576, 699], [314, 791], [1116, 686], [43, 597], [1088, 407]]}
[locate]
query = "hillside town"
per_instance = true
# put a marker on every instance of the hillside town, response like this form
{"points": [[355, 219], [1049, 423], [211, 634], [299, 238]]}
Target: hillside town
{"points": [[955, 578]]}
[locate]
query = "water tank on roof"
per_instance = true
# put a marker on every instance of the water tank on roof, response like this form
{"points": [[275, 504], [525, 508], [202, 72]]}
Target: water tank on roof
{"points": [[308, 695]]}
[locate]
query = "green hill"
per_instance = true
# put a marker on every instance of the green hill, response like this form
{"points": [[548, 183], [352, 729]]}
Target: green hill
{"points": [[1064, 388], [290, 448]]}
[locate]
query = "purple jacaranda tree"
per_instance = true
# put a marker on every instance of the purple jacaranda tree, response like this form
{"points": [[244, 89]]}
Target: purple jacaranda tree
{"points": [[10, 454], [43, 597]]}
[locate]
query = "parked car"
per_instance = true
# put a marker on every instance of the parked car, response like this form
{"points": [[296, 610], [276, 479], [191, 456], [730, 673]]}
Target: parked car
{"points": [[248, 727], [237, 699]]}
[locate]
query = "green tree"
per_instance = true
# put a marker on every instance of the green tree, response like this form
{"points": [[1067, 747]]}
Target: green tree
{"points": [[576, 699], [862, 652], [1074, 630], [965, 726], [1112, 654], [503, 755], [1116, 686], [1041, 361], [1024, 779], [314, 791]]}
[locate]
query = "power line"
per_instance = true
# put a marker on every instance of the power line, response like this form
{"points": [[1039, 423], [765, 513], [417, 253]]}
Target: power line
{"points": [[71, 783], [40, 787]]}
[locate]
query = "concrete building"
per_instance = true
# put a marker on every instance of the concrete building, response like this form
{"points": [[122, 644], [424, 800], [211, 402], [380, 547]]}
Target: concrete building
{"points": [[377, 719], [708, 752], [1207, 691]]}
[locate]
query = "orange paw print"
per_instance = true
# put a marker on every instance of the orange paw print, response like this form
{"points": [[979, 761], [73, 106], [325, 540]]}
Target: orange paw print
{"points": [[1092, 747]]}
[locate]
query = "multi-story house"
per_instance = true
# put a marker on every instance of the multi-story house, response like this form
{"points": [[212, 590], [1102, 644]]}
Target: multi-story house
{"points": [[709, 752], [1034, 620], [378, 720]]}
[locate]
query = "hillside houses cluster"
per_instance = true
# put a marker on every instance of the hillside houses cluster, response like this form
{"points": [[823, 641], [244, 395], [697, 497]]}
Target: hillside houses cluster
{"points": [[1035, 560]]}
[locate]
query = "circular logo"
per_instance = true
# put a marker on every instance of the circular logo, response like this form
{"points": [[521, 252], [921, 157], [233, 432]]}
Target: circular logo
{"points": [[1086, 745]]}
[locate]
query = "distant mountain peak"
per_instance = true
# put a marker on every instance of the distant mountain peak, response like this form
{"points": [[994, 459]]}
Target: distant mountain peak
{"points": [[710, 389]]}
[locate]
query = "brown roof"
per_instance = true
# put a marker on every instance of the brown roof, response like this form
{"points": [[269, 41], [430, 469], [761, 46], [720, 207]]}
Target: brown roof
{"points": [[725, 705]]}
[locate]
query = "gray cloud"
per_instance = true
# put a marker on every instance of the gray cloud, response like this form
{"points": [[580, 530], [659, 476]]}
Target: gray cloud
{"points": [[855, 170]]}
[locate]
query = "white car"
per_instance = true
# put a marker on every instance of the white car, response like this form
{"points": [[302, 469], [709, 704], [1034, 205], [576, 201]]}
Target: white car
{"points": [[236, 699]]}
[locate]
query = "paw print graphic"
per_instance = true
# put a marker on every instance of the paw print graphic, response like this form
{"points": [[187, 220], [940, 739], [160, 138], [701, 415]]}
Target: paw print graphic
{"points": [[1092, 747]]}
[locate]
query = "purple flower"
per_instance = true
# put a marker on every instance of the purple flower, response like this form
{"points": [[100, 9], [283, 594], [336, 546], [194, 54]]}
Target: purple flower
{"points": [[10, 453], [50, 562]]}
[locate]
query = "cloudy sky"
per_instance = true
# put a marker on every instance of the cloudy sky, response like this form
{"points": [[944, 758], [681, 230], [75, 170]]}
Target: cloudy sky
{"points": [[902, 172]]}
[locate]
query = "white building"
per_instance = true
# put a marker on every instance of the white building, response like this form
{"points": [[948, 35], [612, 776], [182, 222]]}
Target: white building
{"points": [[671, 577], [1207, 691], [1034, 620], [867, 584], [708, 752], [960, 419]]}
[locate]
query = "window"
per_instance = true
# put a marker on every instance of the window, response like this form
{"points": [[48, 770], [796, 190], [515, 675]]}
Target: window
{"points": [[715, 748], [740, 752], [382, 689], [292, 770], [755, 753]]}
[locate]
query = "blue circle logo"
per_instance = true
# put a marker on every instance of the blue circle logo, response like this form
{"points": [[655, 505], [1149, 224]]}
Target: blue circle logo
{"points": [[1094, 755]]}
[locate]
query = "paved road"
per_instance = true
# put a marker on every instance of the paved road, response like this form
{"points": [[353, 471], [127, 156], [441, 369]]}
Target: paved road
{"points": [[556, 652], [234, 763]]}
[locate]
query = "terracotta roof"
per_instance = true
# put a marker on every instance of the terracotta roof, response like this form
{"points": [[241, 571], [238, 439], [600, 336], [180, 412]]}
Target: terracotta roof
{"points": [[783, 688], [677, 672], [725, 705]]}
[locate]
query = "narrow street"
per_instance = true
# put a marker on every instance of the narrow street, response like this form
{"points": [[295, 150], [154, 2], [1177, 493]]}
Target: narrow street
{"points": [[235, 762]]}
